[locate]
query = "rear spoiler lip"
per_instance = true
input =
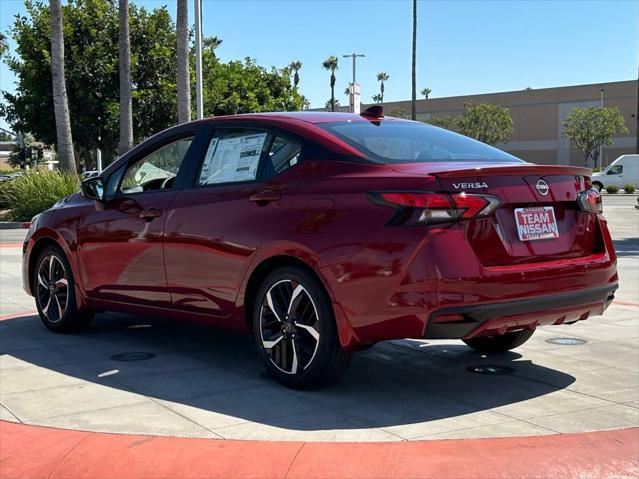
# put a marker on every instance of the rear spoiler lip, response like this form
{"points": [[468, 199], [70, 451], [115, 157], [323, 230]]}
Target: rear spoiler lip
{"points": [[511, 170]]}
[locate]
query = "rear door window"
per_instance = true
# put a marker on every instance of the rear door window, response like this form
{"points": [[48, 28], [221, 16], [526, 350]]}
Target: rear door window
{"points": [[282, 154], [233, 156]]}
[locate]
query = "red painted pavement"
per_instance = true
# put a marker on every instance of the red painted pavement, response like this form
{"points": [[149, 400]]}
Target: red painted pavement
{"points": [[37, 452], [17, 315]]}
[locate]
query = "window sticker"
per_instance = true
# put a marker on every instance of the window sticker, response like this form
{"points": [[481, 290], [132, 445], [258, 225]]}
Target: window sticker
{"points": [[232, 159]]}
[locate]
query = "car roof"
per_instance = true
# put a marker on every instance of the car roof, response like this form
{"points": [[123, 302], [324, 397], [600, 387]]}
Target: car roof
{"points": [[312, 117]]}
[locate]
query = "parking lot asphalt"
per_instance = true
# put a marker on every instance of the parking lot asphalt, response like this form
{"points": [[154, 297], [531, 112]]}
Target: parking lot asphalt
{"points": [[197, 381]]}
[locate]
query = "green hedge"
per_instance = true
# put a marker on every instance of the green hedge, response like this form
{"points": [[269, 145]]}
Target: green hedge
{"points": [[612, 189], [628, 188], [35, 192]]}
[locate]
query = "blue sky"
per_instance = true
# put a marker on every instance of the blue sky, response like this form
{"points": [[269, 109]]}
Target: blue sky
{"points": [[463, 47]]}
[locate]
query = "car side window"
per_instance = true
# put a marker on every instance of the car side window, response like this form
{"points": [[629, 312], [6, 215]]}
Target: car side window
{"points": [[155, 171], [282, 154], [615, 170], [233, 156]]}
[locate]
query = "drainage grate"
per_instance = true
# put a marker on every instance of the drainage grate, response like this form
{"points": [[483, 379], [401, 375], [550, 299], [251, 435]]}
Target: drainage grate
{"points": [[567, 341], [490, 369], [138, 356]]}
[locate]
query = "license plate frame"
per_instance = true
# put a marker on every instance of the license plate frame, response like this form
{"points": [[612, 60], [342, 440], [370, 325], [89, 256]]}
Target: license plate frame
{"points": [[536, 223]]}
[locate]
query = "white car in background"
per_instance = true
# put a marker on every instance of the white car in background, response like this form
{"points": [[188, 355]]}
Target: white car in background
{"points": [[624, 170]]}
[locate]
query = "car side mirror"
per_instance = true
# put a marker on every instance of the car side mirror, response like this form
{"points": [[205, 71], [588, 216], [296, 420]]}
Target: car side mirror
{"points": [[93, 189]]}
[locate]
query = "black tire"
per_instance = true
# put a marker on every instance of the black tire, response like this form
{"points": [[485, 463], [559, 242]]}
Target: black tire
{"points": [[500, 343], [313, 343], [597, 186], [56, 302]]}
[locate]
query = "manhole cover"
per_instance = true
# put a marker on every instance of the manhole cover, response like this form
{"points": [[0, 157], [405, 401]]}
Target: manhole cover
{"points": [[132, 356], [490, 369], [566, 341]]}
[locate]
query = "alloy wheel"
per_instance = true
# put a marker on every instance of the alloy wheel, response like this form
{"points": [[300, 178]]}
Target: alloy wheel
{"points": [[289, 326], [53, 288]]}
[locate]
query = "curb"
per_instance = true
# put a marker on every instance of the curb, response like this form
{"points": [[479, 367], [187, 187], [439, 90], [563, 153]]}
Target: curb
{"points": [[14, 225], [605, 193], [35, 451]]}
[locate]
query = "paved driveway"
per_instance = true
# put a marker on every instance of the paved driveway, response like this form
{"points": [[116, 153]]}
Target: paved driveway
{"points": [[194, 380]]}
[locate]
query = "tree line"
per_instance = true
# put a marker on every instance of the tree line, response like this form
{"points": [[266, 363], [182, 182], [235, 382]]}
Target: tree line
{"points": [[86, 42]]}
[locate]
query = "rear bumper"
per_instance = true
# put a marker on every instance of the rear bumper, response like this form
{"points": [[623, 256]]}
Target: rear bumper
{"points": [[497, 318]]}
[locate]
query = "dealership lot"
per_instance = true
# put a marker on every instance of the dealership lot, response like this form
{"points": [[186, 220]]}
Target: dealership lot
{"points": [[139, 375]]}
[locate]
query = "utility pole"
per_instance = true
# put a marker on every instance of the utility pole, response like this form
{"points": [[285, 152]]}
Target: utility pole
{"points": [[197, 10], [354, 56], [601, 146]]}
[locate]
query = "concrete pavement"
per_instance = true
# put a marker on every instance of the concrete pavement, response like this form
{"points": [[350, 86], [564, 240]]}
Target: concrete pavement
{"points": [[197, 381]]}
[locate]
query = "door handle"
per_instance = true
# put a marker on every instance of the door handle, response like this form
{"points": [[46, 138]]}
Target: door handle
{"points": [[150, 213], [265, 196]]}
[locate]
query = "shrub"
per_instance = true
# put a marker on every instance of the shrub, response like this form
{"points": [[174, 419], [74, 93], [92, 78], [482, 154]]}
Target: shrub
{"points": [[628, 188], [4, 199], [612, 189], [37, 191]]}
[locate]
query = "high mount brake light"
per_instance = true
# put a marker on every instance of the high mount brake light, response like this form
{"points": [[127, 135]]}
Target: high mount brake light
{"points": [[417, 208], [590, 201]]}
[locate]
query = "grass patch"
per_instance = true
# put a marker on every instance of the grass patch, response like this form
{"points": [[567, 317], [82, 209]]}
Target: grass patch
{"points": [[628, 188], [35, 192], [612, 189]]}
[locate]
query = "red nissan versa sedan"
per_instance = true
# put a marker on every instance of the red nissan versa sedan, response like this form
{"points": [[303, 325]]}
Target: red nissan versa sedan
{"points": [[324, 233]]}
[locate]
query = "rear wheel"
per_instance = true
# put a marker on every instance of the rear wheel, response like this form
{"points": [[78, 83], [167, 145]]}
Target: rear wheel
{"points": [[499, 343], [295, 332], [54, 291]]}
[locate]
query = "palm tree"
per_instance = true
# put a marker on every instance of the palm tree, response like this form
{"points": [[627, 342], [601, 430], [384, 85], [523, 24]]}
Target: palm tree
{"points": [[332, 103], [211, 43], [426, 91], [126, 102], [295, 67], [381, 77], [183, 74], [330, 64], [64, 139], [413, 113], [378, 98]]}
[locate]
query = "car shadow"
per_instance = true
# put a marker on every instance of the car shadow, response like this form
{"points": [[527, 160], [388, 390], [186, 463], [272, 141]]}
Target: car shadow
{"points": [[220, 374]]}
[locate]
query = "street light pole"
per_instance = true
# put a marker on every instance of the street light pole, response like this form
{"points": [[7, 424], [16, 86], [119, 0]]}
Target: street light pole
{"points": [[601, 146], [354, 56], [197, 10]]}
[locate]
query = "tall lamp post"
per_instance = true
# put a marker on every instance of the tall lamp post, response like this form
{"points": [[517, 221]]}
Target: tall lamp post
{"points": [[601, 146], [637, 118], [354, 56], [197, 11]]}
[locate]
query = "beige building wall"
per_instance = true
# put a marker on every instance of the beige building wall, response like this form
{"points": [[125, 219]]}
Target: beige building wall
{"points": [[538, 116]]}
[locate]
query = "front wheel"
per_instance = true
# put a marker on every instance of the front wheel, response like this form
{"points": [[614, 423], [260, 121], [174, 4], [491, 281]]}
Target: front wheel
{"points": [[499, 343], [597, 186], [54, 291], [295, 331]]}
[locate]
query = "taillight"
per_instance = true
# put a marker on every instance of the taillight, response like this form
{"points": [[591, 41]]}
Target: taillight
{"points": [[418, 208], [590, 201]]}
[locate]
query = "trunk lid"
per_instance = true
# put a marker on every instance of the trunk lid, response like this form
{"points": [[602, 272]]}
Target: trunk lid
{"points": [[495, 239]]}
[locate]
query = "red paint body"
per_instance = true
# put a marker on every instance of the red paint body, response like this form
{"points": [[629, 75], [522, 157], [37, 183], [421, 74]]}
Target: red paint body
{"points": [[196, 258]]}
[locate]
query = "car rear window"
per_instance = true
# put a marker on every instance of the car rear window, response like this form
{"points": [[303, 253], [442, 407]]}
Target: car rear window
{"points": [[392, 142]]}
